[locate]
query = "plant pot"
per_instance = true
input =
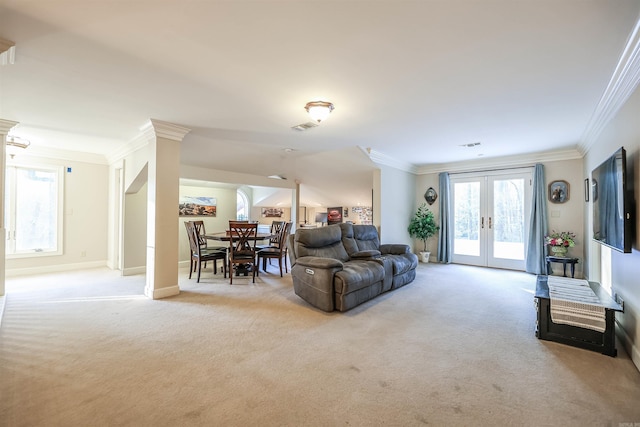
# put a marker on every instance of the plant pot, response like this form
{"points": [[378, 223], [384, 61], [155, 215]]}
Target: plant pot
{"points": [[559, 250], [424, 256]]}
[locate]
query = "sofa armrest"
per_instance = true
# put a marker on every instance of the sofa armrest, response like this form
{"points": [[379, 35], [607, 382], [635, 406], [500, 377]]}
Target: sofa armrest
{"points": [[394, 249], [313, 280], [319, 262], [368, 254]]}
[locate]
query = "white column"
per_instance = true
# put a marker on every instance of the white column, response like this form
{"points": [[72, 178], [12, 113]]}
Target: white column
{"points": [[5, 127], [162, 209]]}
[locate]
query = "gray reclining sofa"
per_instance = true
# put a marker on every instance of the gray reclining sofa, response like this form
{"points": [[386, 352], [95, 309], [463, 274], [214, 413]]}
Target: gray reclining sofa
{"points": [[341, 266]]}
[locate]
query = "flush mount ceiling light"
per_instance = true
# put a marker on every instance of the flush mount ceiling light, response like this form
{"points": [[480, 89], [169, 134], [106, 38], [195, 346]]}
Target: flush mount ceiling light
{"points": [[15, 143], [319, 110]]}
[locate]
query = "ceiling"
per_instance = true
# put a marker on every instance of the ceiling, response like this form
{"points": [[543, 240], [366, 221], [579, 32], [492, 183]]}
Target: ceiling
{"points": [[415, 81]]}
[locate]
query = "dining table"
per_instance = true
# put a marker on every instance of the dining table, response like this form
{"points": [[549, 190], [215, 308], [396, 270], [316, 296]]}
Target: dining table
{"points": [[225, 236]]}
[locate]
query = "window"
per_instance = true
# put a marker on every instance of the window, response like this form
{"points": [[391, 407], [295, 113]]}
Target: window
{"points": [[242, 213], [33, 211]]}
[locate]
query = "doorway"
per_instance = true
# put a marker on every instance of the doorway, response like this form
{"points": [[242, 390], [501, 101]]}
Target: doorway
{"points": [[491, 211]]}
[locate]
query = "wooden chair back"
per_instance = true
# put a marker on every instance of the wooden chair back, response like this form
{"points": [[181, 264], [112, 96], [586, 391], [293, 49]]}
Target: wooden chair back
{"points": [[278, 251], [242, 245]]}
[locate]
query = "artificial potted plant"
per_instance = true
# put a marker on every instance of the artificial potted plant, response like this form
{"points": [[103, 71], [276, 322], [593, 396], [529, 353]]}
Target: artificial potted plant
{"points": [[422, 226]]}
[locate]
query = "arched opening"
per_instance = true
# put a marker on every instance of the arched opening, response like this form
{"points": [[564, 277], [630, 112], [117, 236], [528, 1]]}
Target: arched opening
{"points": [[242, 213]]}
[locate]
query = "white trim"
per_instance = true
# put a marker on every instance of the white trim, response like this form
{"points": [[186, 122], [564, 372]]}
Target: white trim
{"points": [[6, 126], [125, 149], [167, 130], [3, 301], [75, 156], [45, 269], [623, 83], [383, 159], [629, 346], [162, 293], [524, 160]]}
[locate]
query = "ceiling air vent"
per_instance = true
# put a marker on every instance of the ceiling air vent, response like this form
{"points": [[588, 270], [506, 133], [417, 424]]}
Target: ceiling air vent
{"points": [[304, 126]]}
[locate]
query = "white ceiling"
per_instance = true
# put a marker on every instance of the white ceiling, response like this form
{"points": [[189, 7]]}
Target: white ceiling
{"points": [[412, 80]]}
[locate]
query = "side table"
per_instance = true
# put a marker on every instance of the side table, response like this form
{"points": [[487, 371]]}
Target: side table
{"points": [[564, 261]]}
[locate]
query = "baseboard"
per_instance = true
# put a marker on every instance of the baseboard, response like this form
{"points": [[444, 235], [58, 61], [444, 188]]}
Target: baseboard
{"points": [[162, 293], [632, 350], [3, 300], [14, 272], [132, 271]]}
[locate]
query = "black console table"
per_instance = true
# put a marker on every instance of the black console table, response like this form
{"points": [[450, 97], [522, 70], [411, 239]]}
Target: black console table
{"points": [[564, 261], [603, 342]]}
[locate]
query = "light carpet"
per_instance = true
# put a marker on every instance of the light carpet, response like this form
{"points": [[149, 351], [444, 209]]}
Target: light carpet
{"points": [[455, 347]]}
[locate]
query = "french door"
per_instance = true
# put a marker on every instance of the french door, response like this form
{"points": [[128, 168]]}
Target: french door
{"points": [[491, 213]]}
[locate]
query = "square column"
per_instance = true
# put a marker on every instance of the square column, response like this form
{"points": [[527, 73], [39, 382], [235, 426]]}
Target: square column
{"points": [[163, 188], [5, 127]]}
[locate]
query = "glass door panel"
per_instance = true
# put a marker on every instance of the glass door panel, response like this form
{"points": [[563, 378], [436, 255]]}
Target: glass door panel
{"points": [[467, 219], [490, 217], [507, 223]]}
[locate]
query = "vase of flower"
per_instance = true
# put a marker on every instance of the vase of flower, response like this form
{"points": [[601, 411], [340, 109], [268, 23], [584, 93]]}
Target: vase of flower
{"points": [[560, 242], [559, 250]]}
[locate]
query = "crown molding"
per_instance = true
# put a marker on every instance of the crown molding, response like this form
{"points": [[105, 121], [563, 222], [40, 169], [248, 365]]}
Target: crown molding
{"points": [[150, 131], [74, 156], [128, 148], [6, 126], [7, 52], [166, 130], [621, 86], [382, 159], [522, 160]]}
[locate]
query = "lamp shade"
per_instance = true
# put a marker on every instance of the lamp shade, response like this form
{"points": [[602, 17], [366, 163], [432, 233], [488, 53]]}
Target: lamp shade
{"points": [[319, 110]]}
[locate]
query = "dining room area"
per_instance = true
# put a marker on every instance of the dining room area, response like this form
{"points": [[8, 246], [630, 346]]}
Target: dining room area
{"points": [[223, 235]]}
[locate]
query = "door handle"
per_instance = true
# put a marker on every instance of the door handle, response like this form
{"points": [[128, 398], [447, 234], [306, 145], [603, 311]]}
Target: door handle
{"points": [[489, 222], [482, 223]]}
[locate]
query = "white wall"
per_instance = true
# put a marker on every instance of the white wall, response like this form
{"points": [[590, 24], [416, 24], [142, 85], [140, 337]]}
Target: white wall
{"points": [[423, 182], [621, 270], [86, 194], [135, 232], [568, 216], [397, 201], [226, 202]]}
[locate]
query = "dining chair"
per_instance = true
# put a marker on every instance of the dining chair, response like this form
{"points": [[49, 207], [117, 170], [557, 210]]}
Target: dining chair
{"points": [[242, 248], [279, 251], [276, 226], [200, 254], [203, 242]]}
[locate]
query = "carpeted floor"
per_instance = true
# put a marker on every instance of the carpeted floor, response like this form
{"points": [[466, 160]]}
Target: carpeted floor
{"points": [[455, 347]]}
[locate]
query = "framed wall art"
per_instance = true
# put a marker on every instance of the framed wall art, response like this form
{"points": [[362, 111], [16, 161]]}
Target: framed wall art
{"points": [[197, 206], [272, 212], [558, 191], [430, 196], [587, 189], [334, 215]]}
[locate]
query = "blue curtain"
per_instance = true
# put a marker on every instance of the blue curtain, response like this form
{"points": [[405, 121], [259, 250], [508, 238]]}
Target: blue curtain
{"points": [[535, 262], [445, 238]]}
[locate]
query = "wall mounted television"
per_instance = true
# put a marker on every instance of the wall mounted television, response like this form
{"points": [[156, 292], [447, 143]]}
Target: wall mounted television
{"points": [[612, 203]]}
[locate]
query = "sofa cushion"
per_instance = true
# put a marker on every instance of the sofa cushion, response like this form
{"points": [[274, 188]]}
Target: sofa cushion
{"points": [[366, 237], [321, 242], [403, 263], [357, 275]]}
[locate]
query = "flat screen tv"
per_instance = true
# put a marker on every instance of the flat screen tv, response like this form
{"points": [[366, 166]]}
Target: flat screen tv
{"points": [[612, 203]]}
